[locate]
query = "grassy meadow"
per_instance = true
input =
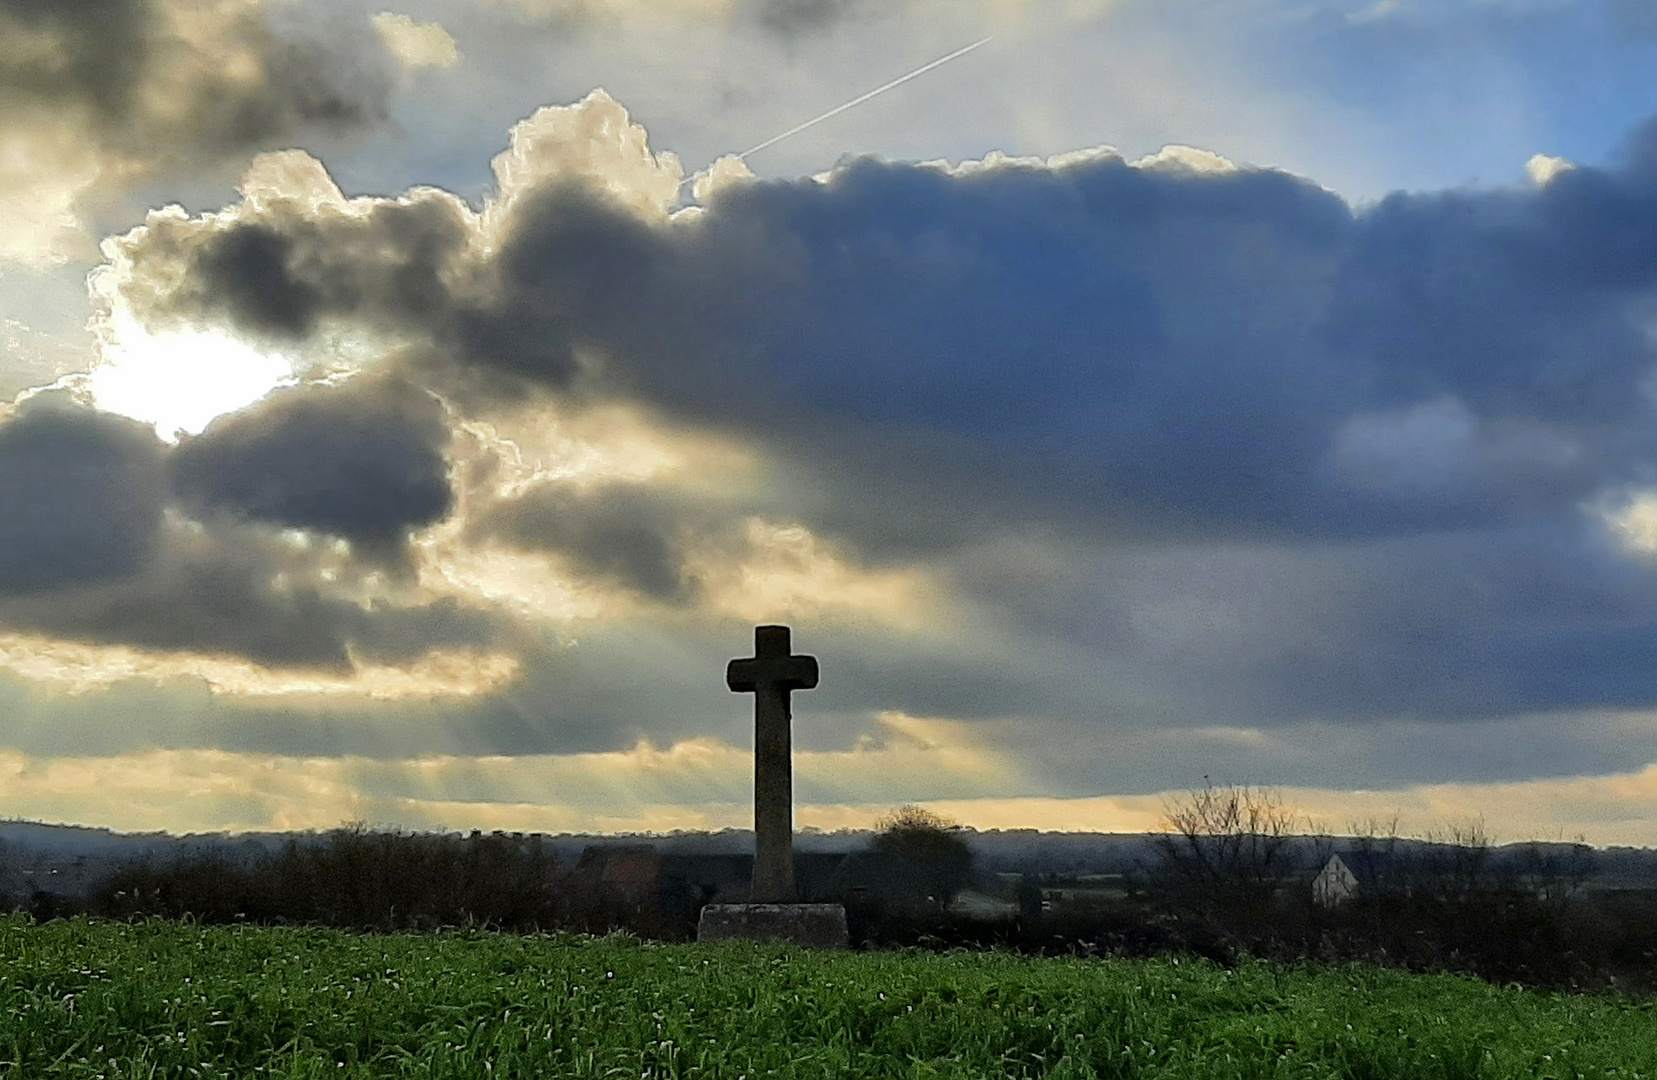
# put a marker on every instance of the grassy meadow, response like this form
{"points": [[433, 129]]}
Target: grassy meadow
{"points": [[169, 999]]}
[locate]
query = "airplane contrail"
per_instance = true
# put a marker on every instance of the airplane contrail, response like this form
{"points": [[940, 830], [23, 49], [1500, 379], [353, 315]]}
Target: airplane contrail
{"points": [[853, 103]]}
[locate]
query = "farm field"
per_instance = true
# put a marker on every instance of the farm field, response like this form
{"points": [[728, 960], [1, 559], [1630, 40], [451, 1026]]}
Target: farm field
{"points": [[168, 999]]}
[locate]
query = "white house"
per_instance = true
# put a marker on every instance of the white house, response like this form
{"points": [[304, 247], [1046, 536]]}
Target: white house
{"points": [[1335, 884]]}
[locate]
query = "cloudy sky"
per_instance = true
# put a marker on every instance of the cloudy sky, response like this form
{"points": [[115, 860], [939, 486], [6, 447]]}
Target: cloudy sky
{"points": [[405, 413]]}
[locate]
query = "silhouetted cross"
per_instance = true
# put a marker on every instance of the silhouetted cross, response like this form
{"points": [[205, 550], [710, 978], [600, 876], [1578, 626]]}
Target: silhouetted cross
{"points": [[771, 674]]}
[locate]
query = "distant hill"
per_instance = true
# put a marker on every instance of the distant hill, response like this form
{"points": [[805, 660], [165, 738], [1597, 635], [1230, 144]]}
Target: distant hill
{"points": [[73, 860]]}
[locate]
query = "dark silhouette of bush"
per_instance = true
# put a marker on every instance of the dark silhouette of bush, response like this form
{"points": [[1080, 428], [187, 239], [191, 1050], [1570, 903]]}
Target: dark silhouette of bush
{"points": [[367, 878], [926, 857], [360, 878], [355, 877]]}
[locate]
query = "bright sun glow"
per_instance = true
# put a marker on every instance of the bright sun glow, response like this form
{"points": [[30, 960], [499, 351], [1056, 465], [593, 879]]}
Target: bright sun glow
{"points": [[180, 380]]}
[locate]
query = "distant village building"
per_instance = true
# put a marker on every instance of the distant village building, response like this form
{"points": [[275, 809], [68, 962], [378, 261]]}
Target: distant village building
{"points": [[641, 875], [1335, 884], [981, 907], [630, 872]]}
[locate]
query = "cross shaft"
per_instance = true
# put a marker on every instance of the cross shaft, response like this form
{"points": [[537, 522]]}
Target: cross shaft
{"points": [[771, 675]]}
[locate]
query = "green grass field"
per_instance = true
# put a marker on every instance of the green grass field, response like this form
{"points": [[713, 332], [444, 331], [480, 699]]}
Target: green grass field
{"points": [[163, 999]]}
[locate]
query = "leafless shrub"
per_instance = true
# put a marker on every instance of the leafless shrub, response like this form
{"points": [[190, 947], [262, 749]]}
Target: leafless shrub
{"points": [[1227, 849]]}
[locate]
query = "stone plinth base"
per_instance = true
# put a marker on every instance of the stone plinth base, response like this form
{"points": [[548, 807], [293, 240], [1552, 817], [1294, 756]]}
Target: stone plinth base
{"points": [[813, 926]]}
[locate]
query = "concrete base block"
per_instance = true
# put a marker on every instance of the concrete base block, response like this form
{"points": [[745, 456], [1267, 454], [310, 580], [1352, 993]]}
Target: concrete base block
{"points": [[812, 926]]}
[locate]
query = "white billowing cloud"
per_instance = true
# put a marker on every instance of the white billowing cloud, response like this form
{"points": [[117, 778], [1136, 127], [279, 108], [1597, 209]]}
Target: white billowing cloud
{"points": [[723, 173], [1029, 297], [1636, 523], [1172, 158], [997, 159], [292, 176], [416, 44], [593, 141], [1542, 168], [1188, 159]]}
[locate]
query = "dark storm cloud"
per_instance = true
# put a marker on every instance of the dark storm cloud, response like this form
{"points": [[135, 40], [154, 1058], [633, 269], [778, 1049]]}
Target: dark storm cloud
{"points": [[81, 495], [1546, 617], [158, 77], [794, 17], [1638, 153], [626, 533], [1165, 350], [1520, 304], [1157, 350], [85, 554], [1440, 626], [401, 266], [91, 51], [364, 461], [239, 593], [1410, 407], [280, 275]]}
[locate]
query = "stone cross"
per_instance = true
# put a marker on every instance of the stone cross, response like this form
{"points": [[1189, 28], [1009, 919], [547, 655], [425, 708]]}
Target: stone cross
{"points": [[771, 674]]}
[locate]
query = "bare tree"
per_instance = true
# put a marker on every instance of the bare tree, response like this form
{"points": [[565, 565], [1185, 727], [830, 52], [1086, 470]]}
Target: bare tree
{"points": [[1456, 863], [1375, 858], [1556, 872], [1226, 849]]}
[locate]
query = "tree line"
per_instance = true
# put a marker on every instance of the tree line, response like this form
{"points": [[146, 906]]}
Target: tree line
{"points": [[1230, 877]]}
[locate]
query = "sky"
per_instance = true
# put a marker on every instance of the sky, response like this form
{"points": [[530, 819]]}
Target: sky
{"points": [[405, 413]]}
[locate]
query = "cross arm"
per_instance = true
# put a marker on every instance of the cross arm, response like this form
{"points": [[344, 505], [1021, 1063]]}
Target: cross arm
{"points": [[743, 676], [783, 672], [796, 673]]}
